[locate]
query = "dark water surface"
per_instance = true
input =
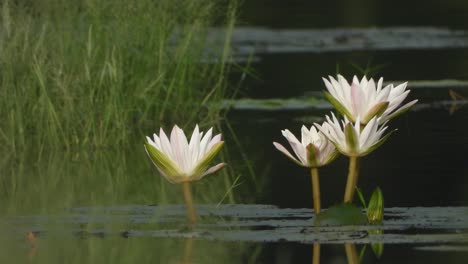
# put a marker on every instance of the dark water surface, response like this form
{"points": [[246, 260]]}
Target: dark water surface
{"points": [[420, 165], [285, 235]]}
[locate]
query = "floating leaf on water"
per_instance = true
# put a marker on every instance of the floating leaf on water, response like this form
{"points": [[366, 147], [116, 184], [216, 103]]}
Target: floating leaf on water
{"points": [[342, 214]]}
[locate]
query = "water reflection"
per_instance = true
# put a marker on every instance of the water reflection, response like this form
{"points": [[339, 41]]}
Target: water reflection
{"points": [[46, 182], [60, 249], [352, 256]]}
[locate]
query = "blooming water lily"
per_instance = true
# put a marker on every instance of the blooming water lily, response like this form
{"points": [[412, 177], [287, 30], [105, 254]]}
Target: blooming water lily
{"points": [[354, 140], [179, 160], [314, 149], [366, 99]]}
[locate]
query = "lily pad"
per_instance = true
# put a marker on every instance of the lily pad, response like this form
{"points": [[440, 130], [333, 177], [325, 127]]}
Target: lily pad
{"points": [[342, 214], [276, 104]]}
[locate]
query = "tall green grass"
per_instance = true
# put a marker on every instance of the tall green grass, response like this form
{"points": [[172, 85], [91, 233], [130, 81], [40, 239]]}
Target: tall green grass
{"points": [[95, 73]]}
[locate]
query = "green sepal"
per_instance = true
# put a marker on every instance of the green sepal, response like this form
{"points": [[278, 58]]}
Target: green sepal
{"points": [[163, 163], [332, 156], [377, 111], [205, 162], [339, 106], [362, 252], [399, 112], [312, 155], [377, 248], [351, 138], [361, 197], [375, 209], [377, 144]]}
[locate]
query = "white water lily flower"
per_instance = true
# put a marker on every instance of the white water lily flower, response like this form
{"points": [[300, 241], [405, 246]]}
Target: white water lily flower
{"points": [[366, 99], [314, 150], [351, 139], [179, 160]]}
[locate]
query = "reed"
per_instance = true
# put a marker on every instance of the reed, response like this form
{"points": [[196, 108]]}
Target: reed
{"points": [[95, 73]]}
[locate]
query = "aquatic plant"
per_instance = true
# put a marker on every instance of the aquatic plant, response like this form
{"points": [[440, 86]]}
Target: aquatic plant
{"points": [[366, 108], [95, 73], [365, 99], [313, 151], [352, 139], [181, 161]]}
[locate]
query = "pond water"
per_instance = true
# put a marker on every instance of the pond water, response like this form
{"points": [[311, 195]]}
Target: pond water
{"points": [[106, 210], [418, 166]]}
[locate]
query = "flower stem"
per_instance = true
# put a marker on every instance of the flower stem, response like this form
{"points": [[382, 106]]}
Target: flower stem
{"points": [[351, 183], [351, 254], [188, 250], [316, 254], [315, 190], [191, 214]]}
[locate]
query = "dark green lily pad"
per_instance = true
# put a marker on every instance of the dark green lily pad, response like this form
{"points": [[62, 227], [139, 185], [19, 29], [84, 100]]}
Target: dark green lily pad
{"points": [[276, 104], [342, 214]]}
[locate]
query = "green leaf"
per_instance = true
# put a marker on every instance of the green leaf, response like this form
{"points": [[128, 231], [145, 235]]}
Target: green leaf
{"points": [[362, 252], [377, 110], [163, 163], [375, 209], [377, 144], [341, 214], [205, 162], [377, 248], [339, 106], [361, 197], [351, 138]]}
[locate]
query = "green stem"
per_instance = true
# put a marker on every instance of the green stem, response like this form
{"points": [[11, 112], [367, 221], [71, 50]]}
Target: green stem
{"points": [[351, 254], [351, 183], [316, 254], [315, 190], [187, 190]]}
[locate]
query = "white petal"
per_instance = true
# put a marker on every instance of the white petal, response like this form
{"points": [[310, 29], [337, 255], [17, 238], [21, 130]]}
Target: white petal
{"points": [[366, 134], [395, 103], [379, 85], [194, 146], [151, 142], [179, 147], [297, 147], [397, 90], [204, 143], [330, 88], [285, 151], [305, 139], [157, 141], [213, 141], [166, 147], [213, 169], [383, 95]]}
